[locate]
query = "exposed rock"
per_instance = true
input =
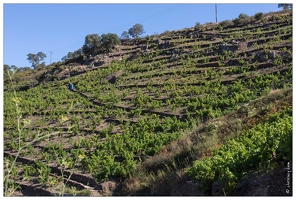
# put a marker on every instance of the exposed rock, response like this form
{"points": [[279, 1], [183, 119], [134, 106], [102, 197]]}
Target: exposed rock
{"points": [[164, 44], [234, 42], [174, 53], [217, 189], [113, 77], [186, 188], [273, 183], [271, 55], [87, 61], [99, 63], [100, 60], [110, 188], [227, 47], [253, 186], [145, 49], [262, 56], [250, 54]]}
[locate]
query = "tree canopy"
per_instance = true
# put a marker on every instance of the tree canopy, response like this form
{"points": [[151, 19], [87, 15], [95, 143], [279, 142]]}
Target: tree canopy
{"points": [[36, 58], [136, 30], [285, 6], [108, 41], [91, 44], [124, 35]]}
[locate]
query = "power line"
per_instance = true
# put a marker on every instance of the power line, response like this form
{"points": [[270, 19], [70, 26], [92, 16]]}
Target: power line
{"points": [[149, 17], [67, 46], [141, 20]]}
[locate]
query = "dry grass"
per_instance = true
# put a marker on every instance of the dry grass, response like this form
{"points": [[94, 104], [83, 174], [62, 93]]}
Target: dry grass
{"points": [[159, 174]]}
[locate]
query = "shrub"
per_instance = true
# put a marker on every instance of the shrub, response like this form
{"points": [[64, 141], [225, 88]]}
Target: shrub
{"points": [[198, 26], [259, 16], [226, 23], [237, 21], [243, 16]]}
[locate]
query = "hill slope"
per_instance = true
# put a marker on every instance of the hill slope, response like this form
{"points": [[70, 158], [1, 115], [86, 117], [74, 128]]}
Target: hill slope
{"points": [[145, 112]]}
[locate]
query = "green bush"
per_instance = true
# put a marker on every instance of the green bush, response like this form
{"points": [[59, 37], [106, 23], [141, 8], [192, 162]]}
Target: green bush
{"points": [[198, 26], [243, 16], [254, 150], [259, 16], [237, 21], [226, 23]]}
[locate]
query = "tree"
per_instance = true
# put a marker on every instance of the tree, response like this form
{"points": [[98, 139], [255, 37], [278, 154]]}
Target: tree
{"points": [[243, 16], [40, 66], [258, 16], [64, 58], [6, 71], [70, 55], [77, 53], [136, 30], [92, 44], [285, 6], [198, 26], [108, 41], [26, 69], [6, 68], [36, 58], [14, 68], [124, 35]]}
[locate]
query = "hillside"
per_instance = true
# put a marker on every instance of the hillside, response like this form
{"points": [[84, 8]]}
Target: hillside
{"points": [[142, 118]]}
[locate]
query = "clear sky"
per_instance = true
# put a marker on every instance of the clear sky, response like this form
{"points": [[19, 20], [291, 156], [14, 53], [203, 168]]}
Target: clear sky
{"points": [[61, 27]]}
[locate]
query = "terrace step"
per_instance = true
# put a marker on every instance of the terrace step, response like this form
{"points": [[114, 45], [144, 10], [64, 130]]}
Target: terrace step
{"points": [[80, 180]]}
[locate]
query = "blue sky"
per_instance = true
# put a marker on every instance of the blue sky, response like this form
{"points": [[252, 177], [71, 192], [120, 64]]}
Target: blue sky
{"points": [[61, 28]]}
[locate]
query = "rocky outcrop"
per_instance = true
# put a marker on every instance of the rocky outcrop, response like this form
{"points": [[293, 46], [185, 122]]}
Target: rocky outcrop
{"points": [[262, 56], [227, 47], [112, 78], [274, 183], [164, 44]]}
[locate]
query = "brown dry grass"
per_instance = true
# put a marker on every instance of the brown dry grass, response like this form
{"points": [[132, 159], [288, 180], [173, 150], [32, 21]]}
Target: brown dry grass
{"points": [[159, 174]]}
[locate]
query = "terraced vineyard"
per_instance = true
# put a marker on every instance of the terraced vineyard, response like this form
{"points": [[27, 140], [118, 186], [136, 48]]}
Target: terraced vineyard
{"points": [[78, 141]]}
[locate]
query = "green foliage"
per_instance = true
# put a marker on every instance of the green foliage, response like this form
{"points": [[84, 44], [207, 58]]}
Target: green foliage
{"points": [[226, 23], [243, 16], [198, 26], [43, 172], [151, 104], [92, 44], [237, 21], [241, 19], [124, 35], [36, 58], [285, 6], [253, 150], [109, 41], [136, 31], [29, 171], [258, 16]]}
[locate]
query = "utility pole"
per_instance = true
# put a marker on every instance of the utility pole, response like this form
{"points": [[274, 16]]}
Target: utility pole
{"points": [[50, 56], [216, 13]]}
